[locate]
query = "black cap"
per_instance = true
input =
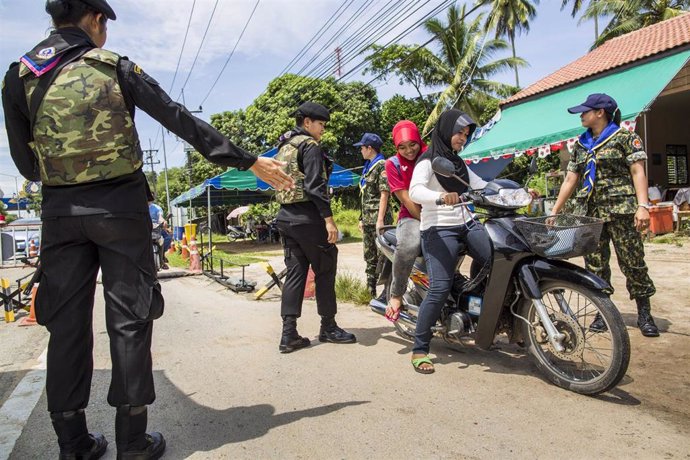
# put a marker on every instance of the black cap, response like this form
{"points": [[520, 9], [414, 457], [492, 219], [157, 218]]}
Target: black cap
{"points": [[312, 110], [102, 7], [596, 101]]}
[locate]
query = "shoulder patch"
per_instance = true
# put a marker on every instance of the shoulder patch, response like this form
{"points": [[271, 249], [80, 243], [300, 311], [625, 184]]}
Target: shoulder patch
{"points": [[137, 70], [637, 143]]}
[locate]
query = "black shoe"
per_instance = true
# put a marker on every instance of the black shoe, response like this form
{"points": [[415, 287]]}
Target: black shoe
{"points": [[154, 449], [290, 343], [98, 448], [598, 325], [647, 326], [335, 334], [644, 318]]}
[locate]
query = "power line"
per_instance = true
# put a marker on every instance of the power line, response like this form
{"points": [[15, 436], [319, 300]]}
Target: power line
{"points": [[184, 42], [231, 54], [198, 51], [316, 36]]}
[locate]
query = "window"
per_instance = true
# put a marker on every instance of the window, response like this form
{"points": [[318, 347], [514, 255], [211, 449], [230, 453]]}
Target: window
{"points": [[677, 164]]}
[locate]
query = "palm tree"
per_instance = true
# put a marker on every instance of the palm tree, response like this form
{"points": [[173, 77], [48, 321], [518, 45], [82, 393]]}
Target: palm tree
{"points": [[577, 6], [630, 15], [465, 65], [509, 17]]}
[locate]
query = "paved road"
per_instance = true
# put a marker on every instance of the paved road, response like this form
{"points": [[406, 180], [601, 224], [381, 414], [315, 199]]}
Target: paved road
{"points": [[224, 391]]}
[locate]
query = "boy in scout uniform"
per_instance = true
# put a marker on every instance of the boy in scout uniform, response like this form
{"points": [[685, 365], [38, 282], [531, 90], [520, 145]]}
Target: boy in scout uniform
{"points": [[374, 192]]}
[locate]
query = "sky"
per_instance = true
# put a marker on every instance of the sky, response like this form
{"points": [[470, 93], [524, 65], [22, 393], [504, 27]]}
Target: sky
{"points": [[151, 33]]}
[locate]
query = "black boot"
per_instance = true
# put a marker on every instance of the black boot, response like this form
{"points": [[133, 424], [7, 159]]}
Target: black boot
{"points": [[133, 442], [598, 325], [330, 332], [372, 289], [76, 443], [644, 318], [290, 340]]}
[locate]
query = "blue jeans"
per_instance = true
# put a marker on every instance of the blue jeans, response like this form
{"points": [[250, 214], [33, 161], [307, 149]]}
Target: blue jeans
{"points": [[441, 247]]}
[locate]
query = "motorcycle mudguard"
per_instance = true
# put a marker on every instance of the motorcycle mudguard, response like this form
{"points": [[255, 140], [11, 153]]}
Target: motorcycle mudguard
{"points": [[530, 274]]}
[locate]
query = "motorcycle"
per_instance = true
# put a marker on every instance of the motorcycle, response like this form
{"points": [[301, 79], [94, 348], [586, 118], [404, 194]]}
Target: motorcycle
{"points": [[235, 232], [157, 243], [527, 292]]}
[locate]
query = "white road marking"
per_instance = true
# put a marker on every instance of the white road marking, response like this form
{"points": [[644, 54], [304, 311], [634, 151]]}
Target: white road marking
{"points": [[16, 411]]}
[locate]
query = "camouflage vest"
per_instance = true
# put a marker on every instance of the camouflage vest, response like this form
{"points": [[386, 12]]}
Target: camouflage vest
{"points": [[83, 131], [289, 153]]}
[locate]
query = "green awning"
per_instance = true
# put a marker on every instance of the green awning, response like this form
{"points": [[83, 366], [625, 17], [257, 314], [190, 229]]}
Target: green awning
{"points": [[544, 121]]}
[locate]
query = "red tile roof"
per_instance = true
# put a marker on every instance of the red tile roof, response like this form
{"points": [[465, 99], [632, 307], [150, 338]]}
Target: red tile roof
{"points": [[616, 52]]}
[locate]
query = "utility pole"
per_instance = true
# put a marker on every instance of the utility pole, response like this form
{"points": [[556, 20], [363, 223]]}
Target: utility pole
{"points": [[148, 158], [338, 62]]}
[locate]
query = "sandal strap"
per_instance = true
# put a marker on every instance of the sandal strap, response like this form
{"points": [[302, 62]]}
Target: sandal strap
{"points": [[419, 361]]}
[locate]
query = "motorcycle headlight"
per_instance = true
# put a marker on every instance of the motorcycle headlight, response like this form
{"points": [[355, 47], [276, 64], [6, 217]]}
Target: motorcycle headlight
{"points": [[510, 198]]}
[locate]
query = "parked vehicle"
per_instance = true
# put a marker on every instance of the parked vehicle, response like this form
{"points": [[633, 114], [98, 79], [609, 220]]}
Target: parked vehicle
{"points": [[157, 243], [235, 232], [543, 303]]}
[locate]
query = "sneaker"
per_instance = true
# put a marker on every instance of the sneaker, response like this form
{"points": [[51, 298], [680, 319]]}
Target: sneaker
{"points": [[335, 334]]}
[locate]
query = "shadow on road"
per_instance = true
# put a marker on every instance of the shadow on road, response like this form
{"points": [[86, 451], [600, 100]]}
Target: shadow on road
{"points": [[188, 426]]}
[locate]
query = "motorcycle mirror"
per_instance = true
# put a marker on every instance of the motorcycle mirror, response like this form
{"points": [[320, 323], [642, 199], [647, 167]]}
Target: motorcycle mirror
{"points": [[443, 166], [533, 165]]}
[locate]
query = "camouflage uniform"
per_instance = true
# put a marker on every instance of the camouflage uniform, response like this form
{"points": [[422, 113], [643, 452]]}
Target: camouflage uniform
{"points": [[614, 201], [375, 183]]}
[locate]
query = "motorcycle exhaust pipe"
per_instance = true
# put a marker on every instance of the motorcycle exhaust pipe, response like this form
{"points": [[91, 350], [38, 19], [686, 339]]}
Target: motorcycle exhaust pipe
{"points": [[380, 308]]}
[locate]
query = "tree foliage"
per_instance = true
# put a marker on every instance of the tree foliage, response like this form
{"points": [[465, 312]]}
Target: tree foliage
{"points": [[630, 15], [466, 65], [355, 109], [508, 18]]}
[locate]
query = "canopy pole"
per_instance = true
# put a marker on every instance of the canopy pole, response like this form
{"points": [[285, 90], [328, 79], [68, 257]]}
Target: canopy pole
{"points": [[646, 143], [165, 172], [208, 215]]}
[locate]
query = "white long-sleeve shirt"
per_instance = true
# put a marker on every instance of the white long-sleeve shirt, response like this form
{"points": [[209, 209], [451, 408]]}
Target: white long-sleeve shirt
{"points": [[425, 189]]}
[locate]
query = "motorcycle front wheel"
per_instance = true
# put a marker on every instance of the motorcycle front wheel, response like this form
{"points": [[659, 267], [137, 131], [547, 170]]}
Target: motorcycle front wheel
{"points": [[595, 359]]}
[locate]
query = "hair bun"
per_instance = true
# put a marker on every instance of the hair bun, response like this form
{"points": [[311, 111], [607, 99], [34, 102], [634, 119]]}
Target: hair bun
{"points": [[58, 9]]}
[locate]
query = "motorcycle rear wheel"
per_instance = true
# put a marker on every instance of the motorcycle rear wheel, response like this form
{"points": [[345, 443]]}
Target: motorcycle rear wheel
{"points": [[593, 361]]}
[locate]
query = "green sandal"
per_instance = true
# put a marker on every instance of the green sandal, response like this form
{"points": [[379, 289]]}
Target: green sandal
{"points": [[417, 362]]}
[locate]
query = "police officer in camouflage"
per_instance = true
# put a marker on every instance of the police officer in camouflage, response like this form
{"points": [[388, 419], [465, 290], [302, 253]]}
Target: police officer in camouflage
{"points": [[608, 164], [374, 192], [307, 228], [69, 112]]}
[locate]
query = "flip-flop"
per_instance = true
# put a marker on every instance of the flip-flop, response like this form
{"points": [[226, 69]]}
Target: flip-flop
{"points": [[417, 362], [396, 314]]}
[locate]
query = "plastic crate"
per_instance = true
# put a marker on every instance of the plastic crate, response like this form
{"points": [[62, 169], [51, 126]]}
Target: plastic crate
{"points": [[562, 236]]}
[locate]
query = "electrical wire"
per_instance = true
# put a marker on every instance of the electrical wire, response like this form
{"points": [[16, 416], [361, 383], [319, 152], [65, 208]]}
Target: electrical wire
{"points": [[231, 53], [184, 42], [198, 51]]}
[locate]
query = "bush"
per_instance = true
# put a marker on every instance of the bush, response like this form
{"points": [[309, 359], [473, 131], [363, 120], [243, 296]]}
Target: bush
{"points": [[348, 288]]}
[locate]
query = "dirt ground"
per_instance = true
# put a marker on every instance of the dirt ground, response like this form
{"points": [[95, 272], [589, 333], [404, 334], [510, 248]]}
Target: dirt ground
{"points": [[659, 367], [224, 391]]}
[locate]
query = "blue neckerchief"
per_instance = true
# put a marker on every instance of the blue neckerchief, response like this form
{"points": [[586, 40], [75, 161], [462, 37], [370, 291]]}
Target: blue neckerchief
{"points": [[367, 167], [589, 143]]}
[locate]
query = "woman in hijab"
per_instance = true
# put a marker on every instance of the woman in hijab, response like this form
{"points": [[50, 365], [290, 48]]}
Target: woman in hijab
{"points": [[445, 229], [409, 146]]}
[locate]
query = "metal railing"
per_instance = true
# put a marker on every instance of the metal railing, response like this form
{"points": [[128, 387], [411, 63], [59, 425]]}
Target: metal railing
{"points": [[18, 242]]}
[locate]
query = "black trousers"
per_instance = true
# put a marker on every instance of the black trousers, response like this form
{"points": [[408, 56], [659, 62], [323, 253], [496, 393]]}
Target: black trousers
{"points": [[305, 245], [72, 250]]}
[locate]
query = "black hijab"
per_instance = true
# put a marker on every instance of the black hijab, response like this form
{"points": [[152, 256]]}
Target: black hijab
{"points": [[449, 123]]}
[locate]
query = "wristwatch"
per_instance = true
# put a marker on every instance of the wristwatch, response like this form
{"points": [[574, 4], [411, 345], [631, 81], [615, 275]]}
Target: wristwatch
{"points": [[644, 205]]}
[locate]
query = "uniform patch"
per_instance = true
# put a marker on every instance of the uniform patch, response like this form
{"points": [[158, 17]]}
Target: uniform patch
{"points": [[46, 53], [637, 143], [137, 70]]}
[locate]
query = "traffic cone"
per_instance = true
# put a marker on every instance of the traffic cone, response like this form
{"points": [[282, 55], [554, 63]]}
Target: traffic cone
{"points": [[31, 319], [310, 286], [194, 258], [185, 249], [172, 249], [33, 249]]}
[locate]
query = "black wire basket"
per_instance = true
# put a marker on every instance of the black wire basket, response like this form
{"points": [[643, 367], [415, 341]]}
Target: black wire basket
{"points": [[562, 236]]}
